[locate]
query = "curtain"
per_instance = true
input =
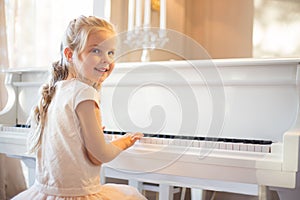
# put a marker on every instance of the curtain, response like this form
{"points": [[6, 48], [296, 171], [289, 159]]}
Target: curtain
{"points": [[36, 28], [3, 51], [12, 180]]}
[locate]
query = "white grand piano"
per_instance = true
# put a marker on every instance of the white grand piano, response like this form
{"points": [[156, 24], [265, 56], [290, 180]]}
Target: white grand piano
{"points": [[224, 125]]}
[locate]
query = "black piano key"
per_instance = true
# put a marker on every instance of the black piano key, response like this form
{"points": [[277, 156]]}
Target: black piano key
{"points": [[22, 125]]}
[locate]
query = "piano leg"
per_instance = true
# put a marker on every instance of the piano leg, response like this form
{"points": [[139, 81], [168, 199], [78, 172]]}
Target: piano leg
{"points": [[264, 193], [165, 192], [30, 164], [196, 194], [136, 184], [102, 176], [183, 191]]}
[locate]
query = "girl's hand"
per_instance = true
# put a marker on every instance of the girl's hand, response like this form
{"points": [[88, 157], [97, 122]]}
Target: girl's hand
{"points": [[127, 140]]}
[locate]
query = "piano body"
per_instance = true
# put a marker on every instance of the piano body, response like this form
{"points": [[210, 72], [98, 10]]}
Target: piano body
{"points": [[226, 125]]}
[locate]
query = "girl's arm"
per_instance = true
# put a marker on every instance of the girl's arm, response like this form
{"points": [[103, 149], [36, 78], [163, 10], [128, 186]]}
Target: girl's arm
{"points": [[98, 150]]}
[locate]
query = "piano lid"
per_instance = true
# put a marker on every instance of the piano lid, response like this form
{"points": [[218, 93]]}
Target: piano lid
{"points": [[235, 98]]}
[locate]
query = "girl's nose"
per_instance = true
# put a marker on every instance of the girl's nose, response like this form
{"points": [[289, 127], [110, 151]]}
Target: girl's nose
{"points": [[105, 59]]}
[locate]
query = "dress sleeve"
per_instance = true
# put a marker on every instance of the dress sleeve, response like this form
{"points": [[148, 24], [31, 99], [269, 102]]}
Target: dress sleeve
{"points": [[87, 93]]}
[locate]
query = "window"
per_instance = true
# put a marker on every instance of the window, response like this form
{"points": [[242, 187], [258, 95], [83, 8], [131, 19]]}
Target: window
{"points": [[34, 29], [276, 28]]}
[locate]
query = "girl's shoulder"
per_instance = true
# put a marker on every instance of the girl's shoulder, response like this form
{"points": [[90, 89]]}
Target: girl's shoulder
{"points": [[74, 85], [80, 91]]}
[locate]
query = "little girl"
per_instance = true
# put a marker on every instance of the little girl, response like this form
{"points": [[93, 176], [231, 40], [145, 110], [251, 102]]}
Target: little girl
{"points": [[68, 138]]}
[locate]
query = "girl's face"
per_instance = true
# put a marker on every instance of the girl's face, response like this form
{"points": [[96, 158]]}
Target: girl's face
{"points": [[95, 62]]}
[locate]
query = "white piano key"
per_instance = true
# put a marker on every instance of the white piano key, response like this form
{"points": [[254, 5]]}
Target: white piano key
{"points": [[176, 142], [222, 145], [243, 147], [167, 141], [210, 144], [229, 146], [171, 142], [257, 148], [250, 147], [114, 137], [182, 142], [142, 140], [217, 145], [202, 144], [107, 137], [196, 143], [265, 148], [236, 146], [153, 140], [206, 144], [157, 141], [148, 140]]}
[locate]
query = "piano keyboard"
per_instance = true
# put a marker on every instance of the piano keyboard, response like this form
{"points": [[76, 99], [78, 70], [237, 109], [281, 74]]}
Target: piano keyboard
{"points": [[200, 142], [231, 144], [13, 141], [14, 132]]}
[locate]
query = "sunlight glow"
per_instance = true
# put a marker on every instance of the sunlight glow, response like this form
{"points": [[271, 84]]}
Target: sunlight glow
{"points": [[276, 29]]}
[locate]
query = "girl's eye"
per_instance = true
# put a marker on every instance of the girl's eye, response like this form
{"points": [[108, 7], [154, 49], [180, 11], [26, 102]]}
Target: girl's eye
{"points": [[96, 51], [111, 53]]}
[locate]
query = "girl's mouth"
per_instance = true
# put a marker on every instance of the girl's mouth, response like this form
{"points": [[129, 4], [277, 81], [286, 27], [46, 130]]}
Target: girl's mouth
{"points": [[101, 70]]}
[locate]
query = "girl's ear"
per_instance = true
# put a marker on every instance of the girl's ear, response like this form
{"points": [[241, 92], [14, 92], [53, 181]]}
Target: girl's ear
{"points": [[68, 54]]}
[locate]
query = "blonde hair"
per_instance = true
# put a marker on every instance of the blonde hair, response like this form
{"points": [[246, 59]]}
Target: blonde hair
{"points": [[75, 38]]}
